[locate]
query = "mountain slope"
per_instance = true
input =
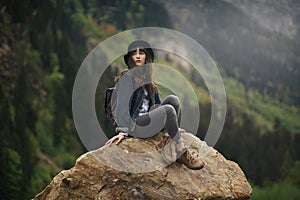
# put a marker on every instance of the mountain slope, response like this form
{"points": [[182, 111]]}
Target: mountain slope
{"points": [[258, 57]]}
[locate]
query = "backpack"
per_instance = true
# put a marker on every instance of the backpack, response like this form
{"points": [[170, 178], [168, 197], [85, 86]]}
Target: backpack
{"points": [[110, 103]]}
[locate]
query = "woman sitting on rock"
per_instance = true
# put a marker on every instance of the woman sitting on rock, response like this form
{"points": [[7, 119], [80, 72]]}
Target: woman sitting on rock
{"points": [[139, 111]]}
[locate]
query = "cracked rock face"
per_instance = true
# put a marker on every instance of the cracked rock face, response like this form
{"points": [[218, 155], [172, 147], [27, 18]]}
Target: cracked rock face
{"points": [[135, 170]]}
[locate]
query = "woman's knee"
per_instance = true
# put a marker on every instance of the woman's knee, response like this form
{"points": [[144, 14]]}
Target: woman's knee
{"points": [[172, 99], [170, 110]]}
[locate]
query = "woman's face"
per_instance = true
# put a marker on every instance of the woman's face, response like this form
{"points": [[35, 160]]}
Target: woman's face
{"points": [[139, 57]]}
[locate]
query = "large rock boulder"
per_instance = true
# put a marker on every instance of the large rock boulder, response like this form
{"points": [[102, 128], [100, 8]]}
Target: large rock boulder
{"points": [[135, 170]]}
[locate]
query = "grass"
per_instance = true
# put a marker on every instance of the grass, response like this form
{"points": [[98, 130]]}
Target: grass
{"points": [[277, 191]]}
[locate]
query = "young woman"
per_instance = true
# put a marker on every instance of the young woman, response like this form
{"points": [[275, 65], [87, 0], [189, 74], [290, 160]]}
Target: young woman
{"points": [[139, 111]]}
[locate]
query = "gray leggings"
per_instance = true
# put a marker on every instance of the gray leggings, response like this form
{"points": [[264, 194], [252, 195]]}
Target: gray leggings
{"points": [[164, 116]]}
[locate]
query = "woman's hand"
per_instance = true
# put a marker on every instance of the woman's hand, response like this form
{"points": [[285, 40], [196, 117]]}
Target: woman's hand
{"points": [[117, 138]]}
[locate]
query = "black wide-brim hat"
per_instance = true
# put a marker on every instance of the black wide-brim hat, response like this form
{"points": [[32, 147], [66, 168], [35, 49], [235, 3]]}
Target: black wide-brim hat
{"points": [[142, 45]]}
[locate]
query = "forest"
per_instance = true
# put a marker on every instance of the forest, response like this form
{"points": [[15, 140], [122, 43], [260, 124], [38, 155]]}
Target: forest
{"points": [[43, 43]]}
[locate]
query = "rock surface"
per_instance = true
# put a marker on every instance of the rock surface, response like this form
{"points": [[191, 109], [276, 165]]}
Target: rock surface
{"points": [[127, 172]]}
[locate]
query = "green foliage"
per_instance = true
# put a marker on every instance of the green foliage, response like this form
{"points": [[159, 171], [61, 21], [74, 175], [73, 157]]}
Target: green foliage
{"points": [[55, 84], [293, 175], [264, 158], [64, 159], [277, 191], [13, 174], [44, 132], [41, 176], [271, 108], [263, 109], [128, 14]]}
